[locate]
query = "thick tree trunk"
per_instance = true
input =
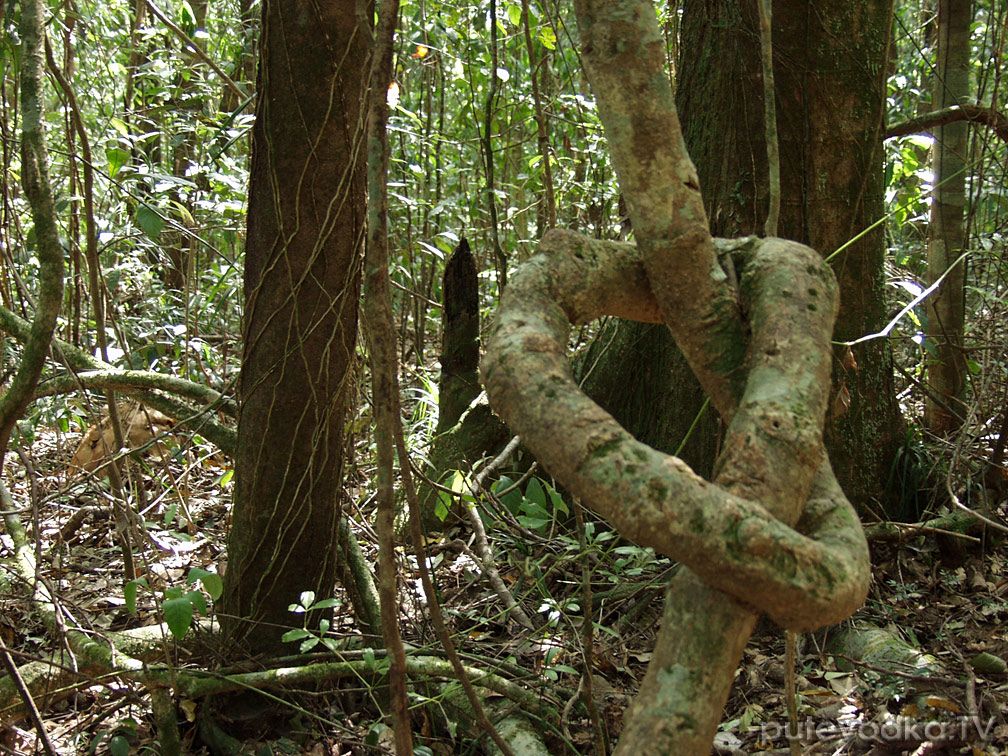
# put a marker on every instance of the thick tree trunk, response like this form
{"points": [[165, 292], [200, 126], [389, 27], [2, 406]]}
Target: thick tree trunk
{"points": [[761, 351], [944, 410], [830, 96], [660, 406], [302, 281]]}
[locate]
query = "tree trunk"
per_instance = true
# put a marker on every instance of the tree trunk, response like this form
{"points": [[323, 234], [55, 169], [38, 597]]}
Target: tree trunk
{"points": [[302, 281], [760, 348], [944, 410], [830, 104], [459, 384], [463, 434], [660, 405]]}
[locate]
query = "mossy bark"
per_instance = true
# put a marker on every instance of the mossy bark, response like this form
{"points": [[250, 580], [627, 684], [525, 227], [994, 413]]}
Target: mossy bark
{"points": [[759, 349], [730, 542]]}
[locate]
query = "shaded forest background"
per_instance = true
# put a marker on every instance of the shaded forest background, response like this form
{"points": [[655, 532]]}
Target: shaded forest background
{"points": [[495, 138]]}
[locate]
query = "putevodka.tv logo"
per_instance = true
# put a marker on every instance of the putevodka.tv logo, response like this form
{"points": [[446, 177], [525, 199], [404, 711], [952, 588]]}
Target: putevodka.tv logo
{"points": [[961, 730]]}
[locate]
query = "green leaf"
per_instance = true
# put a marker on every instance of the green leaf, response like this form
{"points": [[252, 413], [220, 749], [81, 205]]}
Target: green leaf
{"points": [[118, 746], [296, 634], [374, 732], [149, 221], [441, 506], [565, 668], [130, 593], [534, 492], [514, 14], [198, 600], [307, 598], [117, 158], [559, 505], [178, 614], [211, 581], [513, 498], [120, 126], [537, 524], [547, 37]]}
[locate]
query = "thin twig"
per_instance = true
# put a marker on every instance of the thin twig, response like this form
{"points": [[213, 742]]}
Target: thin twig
{"points": [[413, 503], [26, 696], [197, 51], [588, 635]]}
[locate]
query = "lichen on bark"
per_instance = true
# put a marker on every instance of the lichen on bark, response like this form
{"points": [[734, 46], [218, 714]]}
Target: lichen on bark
{"points": [[762, 353]]}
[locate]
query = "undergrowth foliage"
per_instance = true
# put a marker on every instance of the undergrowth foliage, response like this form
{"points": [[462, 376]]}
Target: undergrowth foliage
{"points": [[169, 142]]}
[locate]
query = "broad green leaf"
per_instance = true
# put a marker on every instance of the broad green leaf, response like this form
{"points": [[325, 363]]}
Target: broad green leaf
{"points": [[441, 506], [537, 524], [171, 511], [198, 600], [149, 221], [118, 746], [211, 581], [295, 635], [514, 14], [534, 492], [178, 614], [117, 158], [559, 505], [547, 37], [119, 125], [513, 498]]}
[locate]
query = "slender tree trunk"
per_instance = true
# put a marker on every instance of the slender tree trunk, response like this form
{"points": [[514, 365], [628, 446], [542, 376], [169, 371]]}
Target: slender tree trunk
{"points": [[302, 281], [944, 408]]}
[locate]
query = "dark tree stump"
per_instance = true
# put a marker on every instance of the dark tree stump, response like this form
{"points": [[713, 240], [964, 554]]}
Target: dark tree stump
{"points": [[459, 384], [462, 437]]}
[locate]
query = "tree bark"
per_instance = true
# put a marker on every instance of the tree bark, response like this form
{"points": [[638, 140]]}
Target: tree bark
{"points": [[729, 541], [302, 282], [944, 410], [459, 384], [38, 190], [663, 406], [830, 106], [771, 386]]}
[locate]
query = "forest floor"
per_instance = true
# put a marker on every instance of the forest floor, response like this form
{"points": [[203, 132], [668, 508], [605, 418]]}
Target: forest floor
{"points": [[924, 673]]}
